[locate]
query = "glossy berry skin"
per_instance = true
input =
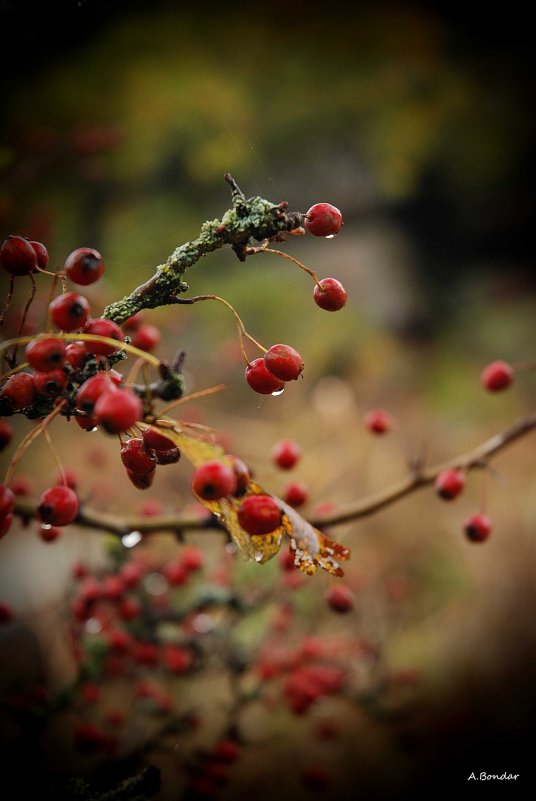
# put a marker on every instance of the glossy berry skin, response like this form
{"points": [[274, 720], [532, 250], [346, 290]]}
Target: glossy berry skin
{"points": [[329, 294], [19, 390], [45, 353], [163, 449], [41, 253], [50, 384], [284, 362], [91, 390], [450, 483], [340, 599], [118, 410], [286, 453], [103, 328], [323, 219], [146, 337], [17, 256], [214, 480], [478, 527], [7, 501], [296, 494], [6, 434], [497, 375], [58, 506], [70, 311], [84, 266], [378, 421], [136, 458], [261, 379], [259, 514]]}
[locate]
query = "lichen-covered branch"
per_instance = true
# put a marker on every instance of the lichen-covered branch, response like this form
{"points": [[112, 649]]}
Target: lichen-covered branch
{"points": [[419, 477], [248, 218]]}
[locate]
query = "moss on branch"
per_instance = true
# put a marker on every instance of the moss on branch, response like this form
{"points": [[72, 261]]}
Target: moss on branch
{"points": [[248, 218]]}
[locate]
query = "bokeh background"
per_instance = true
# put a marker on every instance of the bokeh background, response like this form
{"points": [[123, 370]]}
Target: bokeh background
{"points": [[118, 122]]}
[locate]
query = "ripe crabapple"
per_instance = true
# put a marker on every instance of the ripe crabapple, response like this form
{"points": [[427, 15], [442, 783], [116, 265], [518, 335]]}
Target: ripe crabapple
{"points": [[118, 410], [45, 353], [261, 379], [450, 483], [19, 390], [214, 480], [323, 219], [17, 256], [103, 328], [284, 362], [58, 506], [330, 294], [378, 421], [286, 454], [84, 266], [477, 527], [70, 311], [497, 375], [259, 514]]}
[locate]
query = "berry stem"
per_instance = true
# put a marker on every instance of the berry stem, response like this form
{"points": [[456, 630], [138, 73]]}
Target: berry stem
{"points": [[265, 249], [28, 439]]}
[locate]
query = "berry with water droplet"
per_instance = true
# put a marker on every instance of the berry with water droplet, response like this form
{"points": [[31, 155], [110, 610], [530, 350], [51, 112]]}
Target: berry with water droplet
{"points": [[261, 379], [323, 219]]}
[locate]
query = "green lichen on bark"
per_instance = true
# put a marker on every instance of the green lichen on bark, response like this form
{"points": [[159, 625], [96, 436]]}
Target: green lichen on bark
{"points": [[248, 218]]}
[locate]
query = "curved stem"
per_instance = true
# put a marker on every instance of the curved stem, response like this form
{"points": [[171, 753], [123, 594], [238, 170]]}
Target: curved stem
{"points": [[28, 439], [263, 249]]}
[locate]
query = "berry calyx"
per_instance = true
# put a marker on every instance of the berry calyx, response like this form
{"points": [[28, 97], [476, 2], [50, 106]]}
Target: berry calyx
{"points": [[340, 599], [330, 294], [450, 483], [497, 375], [84, 266], [58, 506], [378, 421], [214, 480], [17, 256], [103, 328], [284, 362], [118, 410], [259, 514], [261, 379], [69, 312], [286, 453], [477, 527], [323, 219], [45, 353]]}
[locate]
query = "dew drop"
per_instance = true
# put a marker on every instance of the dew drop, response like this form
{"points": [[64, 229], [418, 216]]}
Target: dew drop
{"points": [[278, 392], [258, 556], [45, 526], [131, 539], [329, 236]]}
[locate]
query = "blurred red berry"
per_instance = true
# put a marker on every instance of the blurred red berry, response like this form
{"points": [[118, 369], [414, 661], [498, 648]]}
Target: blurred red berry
{"points": [[17, 256], [497, 375], [378, 421], [477, 527], [286, 454], [340, 598], [84, 266], [214, 480], [450, 483]]}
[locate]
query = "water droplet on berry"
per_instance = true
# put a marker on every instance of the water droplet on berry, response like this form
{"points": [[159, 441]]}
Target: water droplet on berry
{"points": [[131, 539], [278, 392], [45, 526], [329, 236], [258, 556]]}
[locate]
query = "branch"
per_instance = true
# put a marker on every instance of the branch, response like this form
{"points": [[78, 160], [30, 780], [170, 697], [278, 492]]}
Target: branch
{"points": [[422, 477], [478, 458], [248, 218]]}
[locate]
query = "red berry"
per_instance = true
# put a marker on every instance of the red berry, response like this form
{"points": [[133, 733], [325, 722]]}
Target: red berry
{"points": [[339, 598], [42, 254], [296, 494], [284, 362], [69, 312], [323, 219], [118, 410], [58, 506], [5, 524], [69, 477], [133, 322], [214, 480], [6, 613], [86, 423], [330, 294], [7, 500], [50, 384], [146, 337], [19, 390], [46, 353], [242, 474], [84, 266], [91, 390], [164, 449], [103, 328], [22, 486], [191, 559], [6, 434], [17, 256], [136, 458], [378, 421], [477, 527], [497, 375], [226, 751], [286, 453], [450, 483], [76, 355], [261, 379], [259, 514]]}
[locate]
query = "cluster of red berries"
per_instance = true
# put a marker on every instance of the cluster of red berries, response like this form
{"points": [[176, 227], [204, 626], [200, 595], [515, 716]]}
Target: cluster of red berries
{"points": [[285, 455], [141, 455], [449, 484], [268, 375]]}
